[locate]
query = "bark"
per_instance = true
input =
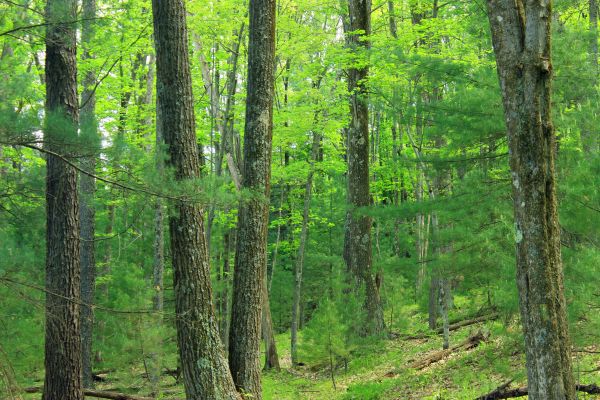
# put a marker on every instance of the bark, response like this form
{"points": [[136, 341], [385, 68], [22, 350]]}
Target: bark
{"points": [[63, 331], [225, 291], [253, 217], [301, 250], [521, 36], [204, 367], [392, 20], [434, 289], [444, 303], [89, 133], [158, 262], [158, 267], [271, 356], [358, 238]]}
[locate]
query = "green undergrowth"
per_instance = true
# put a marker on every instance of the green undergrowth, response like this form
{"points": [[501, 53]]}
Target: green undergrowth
{"points": [[380, 369]]}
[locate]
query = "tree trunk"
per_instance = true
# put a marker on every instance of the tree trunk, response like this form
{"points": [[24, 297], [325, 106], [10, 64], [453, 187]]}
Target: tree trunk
{"points": [[444, 299], [89, 133], [521, 37], [593, 5], [359, 227], [253, 217], [204, 367], [158, 262], [226, 274], [63, 335], [301, 249], [271, 356]]}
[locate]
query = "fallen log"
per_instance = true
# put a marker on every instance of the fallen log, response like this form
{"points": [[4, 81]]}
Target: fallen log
{"points": [[503, 392], [455, 326], [469, 343], [98, 394]]}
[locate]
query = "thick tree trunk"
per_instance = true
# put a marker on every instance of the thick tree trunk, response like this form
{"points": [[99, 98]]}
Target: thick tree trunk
{"points": [[253, 217], [204, 367], [63, 335], [358, 238], [226, 279], [521, 38], [158, 262], [89, 133]]}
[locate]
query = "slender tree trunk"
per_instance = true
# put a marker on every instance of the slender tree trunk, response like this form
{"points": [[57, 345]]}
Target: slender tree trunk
{"points": [[301, 250], [521, 34], [359, 227], [253, 217], [63, 334], [589, 133], [204, 367], [593, 10], [89, 133]]}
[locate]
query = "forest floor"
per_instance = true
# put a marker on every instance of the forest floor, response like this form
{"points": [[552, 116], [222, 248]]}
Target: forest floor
{"points": [[382, 369]]}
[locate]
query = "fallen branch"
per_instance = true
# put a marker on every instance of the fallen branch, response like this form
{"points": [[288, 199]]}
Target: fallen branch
{"points": [[471, 342], [502, 391], [98, 394], [455, 326]]}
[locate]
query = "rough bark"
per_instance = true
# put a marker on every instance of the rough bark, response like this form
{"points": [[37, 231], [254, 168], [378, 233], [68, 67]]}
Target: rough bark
{"points": [[358, 238], [89, 133], [253, 217], [271, 356], [204, 367], [158, 261], [521, 38], [226, 279], [63, 334]]}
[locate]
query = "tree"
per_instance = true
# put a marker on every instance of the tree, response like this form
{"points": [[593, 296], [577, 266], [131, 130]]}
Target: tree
{"points": [[87, 188], [521, 34], [253, 217], [203, 363], [63, 337], [358, 235], [299, 265]]}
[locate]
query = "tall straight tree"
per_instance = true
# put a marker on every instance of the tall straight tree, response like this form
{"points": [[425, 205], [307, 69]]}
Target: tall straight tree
{"points": [[204, 366], [521, 33], [358, 235], [89, 134], [63, 337], [253, 217]]}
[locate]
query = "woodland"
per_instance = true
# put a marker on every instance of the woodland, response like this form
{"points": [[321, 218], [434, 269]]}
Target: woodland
{"points": [[299, 199]]}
